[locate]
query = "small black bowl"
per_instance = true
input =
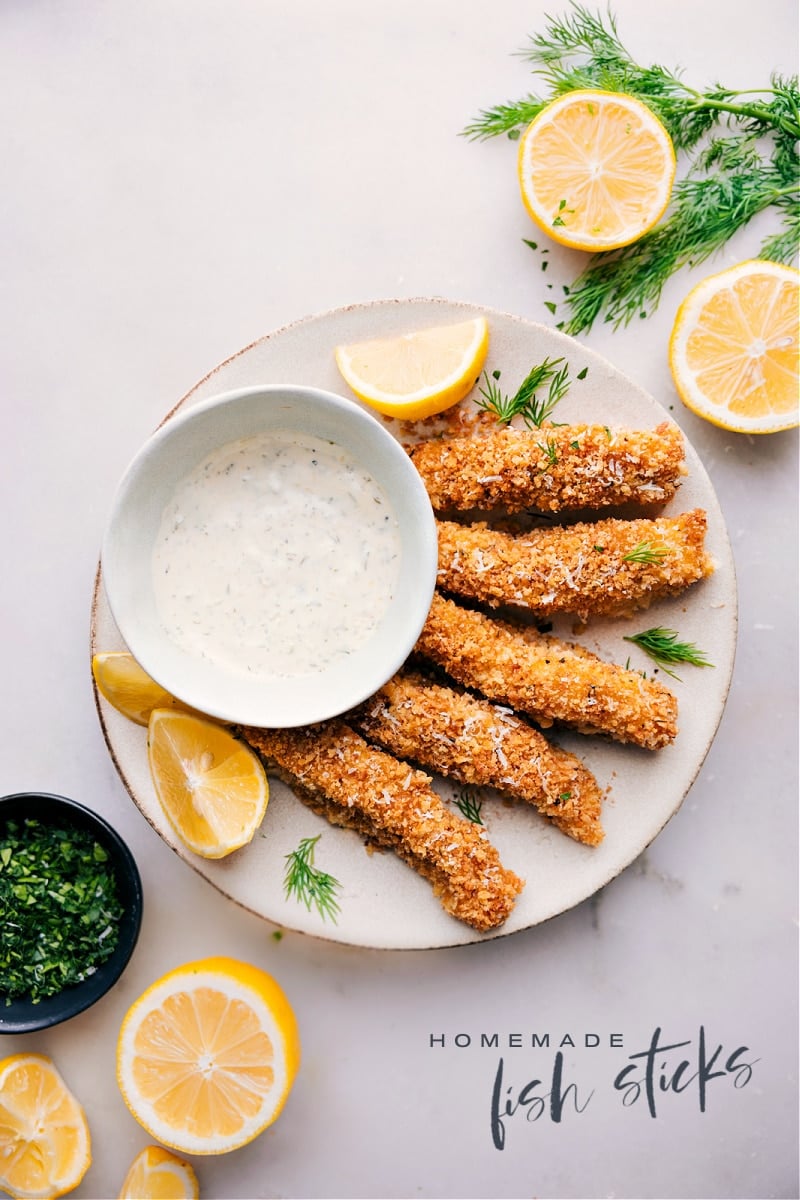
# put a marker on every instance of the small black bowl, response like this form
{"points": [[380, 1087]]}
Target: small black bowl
{"points": [[22, 1015]]}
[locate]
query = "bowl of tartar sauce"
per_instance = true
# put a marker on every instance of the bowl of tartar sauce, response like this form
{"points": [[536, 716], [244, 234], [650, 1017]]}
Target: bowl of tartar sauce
{"points": [[271, 556]]}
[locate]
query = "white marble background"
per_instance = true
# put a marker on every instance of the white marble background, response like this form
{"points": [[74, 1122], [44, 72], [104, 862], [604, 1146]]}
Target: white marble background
{"points": [[178, 178]]}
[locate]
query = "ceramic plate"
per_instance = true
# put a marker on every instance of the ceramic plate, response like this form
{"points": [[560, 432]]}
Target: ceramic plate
{"points": [[383, 903]]}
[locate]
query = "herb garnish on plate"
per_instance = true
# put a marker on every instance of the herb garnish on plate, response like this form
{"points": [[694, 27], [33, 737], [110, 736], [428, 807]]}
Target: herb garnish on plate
{"points": [[524, 402], [307, 883], [664, 647]]}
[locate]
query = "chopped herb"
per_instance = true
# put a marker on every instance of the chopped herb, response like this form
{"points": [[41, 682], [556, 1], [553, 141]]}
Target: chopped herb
{"points": [[524, 402], [59, 908], [469, 805], [645, 553], [308, 884], [582, 373], [663, 646], [277, 935], [562, 205], [533, 245], [551, 306]]}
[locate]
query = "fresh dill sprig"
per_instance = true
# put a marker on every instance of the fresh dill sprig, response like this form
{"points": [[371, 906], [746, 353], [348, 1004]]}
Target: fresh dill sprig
{"points": [[645, 552], [469, 805], [741, 148], [524, 402], [550, 451], [308, 884], [663, 646]]}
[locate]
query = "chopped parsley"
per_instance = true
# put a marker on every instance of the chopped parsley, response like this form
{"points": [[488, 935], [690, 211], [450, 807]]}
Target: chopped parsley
{"points": [[59, 908]]}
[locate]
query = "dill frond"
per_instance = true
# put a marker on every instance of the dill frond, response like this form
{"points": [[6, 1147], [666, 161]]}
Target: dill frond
{"points": [[308, 884], [469, 805], [524, 402], [664, 647], [645, 553]]}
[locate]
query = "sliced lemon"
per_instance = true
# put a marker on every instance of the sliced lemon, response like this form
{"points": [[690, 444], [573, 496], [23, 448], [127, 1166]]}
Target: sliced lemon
{"points": [[735, 348], [128, 688], [206, 1057], [212, 787], [45, 1148], [596, 169], [417, 374], [157, 1174]]}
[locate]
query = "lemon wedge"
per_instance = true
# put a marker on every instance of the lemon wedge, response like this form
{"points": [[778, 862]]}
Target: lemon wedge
{"points": [[417, 374], [45, 1148], [595, 169], [157, 1174], [212, 788], [735, 348], [206, 1057], [128, 688]]}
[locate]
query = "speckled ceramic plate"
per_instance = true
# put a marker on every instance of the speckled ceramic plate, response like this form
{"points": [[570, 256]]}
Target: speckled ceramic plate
{"points": [[383, 903]]}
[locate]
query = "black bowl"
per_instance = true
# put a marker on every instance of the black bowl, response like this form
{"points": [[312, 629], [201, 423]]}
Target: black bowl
{"points": [[22, 1015]]}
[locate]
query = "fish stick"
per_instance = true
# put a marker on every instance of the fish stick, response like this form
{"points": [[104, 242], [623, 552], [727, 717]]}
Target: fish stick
{"points": [[548, 679], [589, 569], [484, 745], [337, 773], [552, 469]]}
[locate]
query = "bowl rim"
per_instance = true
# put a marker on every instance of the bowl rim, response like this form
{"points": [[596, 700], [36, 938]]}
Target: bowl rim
{"points": [[420, 562], [22, 1015]]}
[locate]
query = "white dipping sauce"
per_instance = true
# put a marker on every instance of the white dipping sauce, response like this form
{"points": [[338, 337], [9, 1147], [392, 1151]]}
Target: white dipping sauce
{"points": [[277, 556]]}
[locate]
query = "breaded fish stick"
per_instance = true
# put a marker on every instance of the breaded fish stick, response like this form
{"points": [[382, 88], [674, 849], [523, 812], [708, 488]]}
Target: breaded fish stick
{"points": [[589, 569], [552, 469], [546, 678], [338, 774], [485, 745]]}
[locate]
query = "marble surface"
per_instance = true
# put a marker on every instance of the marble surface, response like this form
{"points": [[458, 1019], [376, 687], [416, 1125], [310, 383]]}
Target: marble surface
{"points": [[179, 179]]}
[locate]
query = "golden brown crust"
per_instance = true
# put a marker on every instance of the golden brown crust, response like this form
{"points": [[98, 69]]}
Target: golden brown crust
{"points": [[589, 568], [335, 770], [552, 469], [485, 745], [548, 679]]}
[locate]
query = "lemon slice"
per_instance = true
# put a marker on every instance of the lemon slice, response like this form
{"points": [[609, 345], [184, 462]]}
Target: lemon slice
{"points": [[156, 1174], [206, 1057], [417, 374], [128, 688], [212, 787], [45, 1148], [735, 348], [596, 169]]}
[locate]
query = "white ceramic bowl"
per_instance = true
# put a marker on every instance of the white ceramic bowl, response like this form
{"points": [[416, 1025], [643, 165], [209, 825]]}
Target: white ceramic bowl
{"points": [[149, 483]]}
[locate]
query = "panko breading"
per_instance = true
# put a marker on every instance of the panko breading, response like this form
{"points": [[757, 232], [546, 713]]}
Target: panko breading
{"points": [[337, 773], [552, 469], [589, 569], [485, 745], [545, 678]]}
